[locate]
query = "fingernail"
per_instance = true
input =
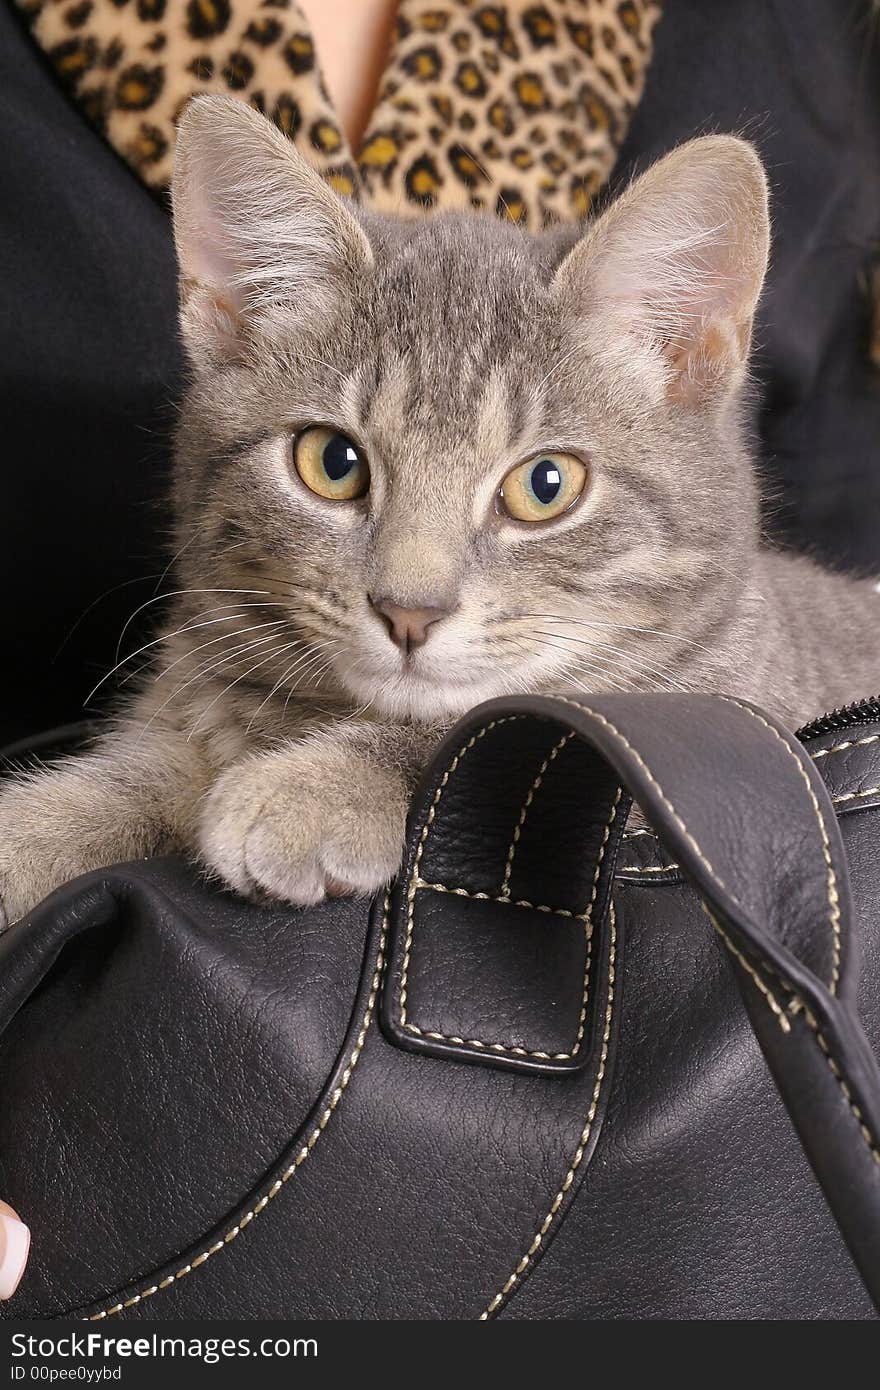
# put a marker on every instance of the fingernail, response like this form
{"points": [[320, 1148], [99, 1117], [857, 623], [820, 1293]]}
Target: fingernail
{"points": [[15, 1241]]}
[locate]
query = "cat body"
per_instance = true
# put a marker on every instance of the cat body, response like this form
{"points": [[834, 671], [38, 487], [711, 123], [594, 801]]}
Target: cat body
{"points": [[422, 464]]}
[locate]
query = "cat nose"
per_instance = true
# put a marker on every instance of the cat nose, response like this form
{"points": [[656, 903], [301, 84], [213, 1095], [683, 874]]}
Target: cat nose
{"points": [[407, 627]]}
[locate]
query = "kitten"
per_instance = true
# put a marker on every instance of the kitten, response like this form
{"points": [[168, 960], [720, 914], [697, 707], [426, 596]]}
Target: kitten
{"points": [[422, 463]]}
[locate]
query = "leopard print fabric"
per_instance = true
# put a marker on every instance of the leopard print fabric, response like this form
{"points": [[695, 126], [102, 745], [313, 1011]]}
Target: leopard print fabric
{"points": [[517, 108]]}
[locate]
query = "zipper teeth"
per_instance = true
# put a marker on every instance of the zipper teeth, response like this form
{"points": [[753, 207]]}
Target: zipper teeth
{"points": [[846, 717]]}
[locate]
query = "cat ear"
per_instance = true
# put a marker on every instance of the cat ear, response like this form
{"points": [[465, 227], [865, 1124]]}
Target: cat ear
{"points": [[676, 264], [256, 227]]}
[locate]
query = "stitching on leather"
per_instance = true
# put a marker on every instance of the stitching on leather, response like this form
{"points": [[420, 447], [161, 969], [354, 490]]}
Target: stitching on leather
{"points": [[647, 868], [551, 757], [506, 902], [279, 1183], [842, 747], [855, 796], [768, 994], [417, 882], [831, 876], [822, 753], [580, 1151], [838, 1075]]}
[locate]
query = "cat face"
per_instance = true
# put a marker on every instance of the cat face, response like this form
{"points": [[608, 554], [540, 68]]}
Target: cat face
{"points": [[464, 461]]}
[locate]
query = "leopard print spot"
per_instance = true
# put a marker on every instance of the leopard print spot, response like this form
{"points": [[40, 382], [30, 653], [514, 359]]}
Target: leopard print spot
{"points": [[500, 117], [78, 14], [491, 20], [138, 87], [530, 92], [470, 81], [380, 152], [511, 205], [112, 55], [423, 181], [205, 18], [325, 136], [157, 43], [582, 35], [629, 16], [120, 3], [238, 71], [581, 195], [202, 68], [461, 41], [95, 103], [443, 106], [554, 162], [435, 21], [466, 121], [424, 64], [465, 166], [257, 100], [263, 32], [299, 54], [411, 108], [343, 180], [150, 10], [287, 116], [73, 58], [401, 30], [149, 146], [491, 149], [628, 68], [540, 26], [598, 113], [522, 158]]}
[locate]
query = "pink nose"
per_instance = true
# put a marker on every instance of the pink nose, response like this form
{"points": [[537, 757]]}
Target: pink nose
{"points": [[407, 627]]}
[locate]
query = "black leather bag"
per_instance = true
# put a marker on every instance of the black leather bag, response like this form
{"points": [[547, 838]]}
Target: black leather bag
{"points": [[529, 1083]]}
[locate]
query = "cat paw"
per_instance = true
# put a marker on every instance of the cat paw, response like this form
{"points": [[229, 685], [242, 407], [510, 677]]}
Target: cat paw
{"points": [[315, 820]]}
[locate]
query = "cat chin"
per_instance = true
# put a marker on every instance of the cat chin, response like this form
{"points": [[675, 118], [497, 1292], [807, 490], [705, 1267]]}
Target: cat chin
{"points": [[417, 699]]}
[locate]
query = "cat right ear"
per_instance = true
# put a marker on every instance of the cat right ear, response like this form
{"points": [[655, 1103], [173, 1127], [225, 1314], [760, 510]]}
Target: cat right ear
{"points": [[670, 275], [258, 231]]}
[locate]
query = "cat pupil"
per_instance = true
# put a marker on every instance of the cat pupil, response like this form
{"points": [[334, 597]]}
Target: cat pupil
{"points": [[546, 480], [339, 457]]}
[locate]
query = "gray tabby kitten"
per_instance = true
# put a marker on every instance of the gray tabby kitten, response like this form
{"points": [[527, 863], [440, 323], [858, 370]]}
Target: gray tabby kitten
{"points": [[422, 463]]}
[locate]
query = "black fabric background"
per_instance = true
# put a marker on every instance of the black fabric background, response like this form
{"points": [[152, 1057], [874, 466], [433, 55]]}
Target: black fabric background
{"points": [[90, 367]]}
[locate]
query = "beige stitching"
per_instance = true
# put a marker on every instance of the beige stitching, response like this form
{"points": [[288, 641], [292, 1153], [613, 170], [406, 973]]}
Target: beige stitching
{"points": [[775, 1006], [859, 1118], [301, 1156], [505, 902], [831, 876], [417, 883], [551, 757], [647, 869], [715, 877], [578, 1156], [842, 747], [855, 796]]}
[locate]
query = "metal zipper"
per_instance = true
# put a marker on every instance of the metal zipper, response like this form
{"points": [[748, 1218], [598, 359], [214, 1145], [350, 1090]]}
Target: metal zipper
{"points": [[860, 712]]}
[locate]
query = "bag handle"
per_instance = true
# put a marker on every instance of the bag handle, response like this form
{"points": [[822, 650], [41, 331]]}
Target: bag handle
{"points": [[740, 805]]}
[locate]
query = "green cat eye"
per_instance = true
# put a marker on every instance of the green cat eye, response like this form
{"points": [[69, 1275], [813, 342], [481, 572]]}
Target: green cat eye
{"points": [[330, 464], [543, 487]]}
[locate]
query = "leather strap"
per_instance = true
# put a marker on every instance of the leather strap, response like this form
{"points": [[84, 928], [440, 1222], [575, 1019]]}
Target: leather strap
{"points": [[740, 806]]}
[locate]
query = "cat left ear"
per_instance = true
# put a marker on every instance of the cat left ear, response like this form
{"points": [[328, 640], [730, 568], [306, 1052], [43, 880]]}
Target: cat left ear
{"points": [[256, 228], [676, 264]]}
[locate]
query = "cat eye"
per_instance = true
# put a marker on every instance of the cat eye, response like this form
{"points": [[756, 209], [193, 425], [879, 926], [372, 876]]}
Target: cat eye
{"points": [[330, 464], [543, 487]]}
